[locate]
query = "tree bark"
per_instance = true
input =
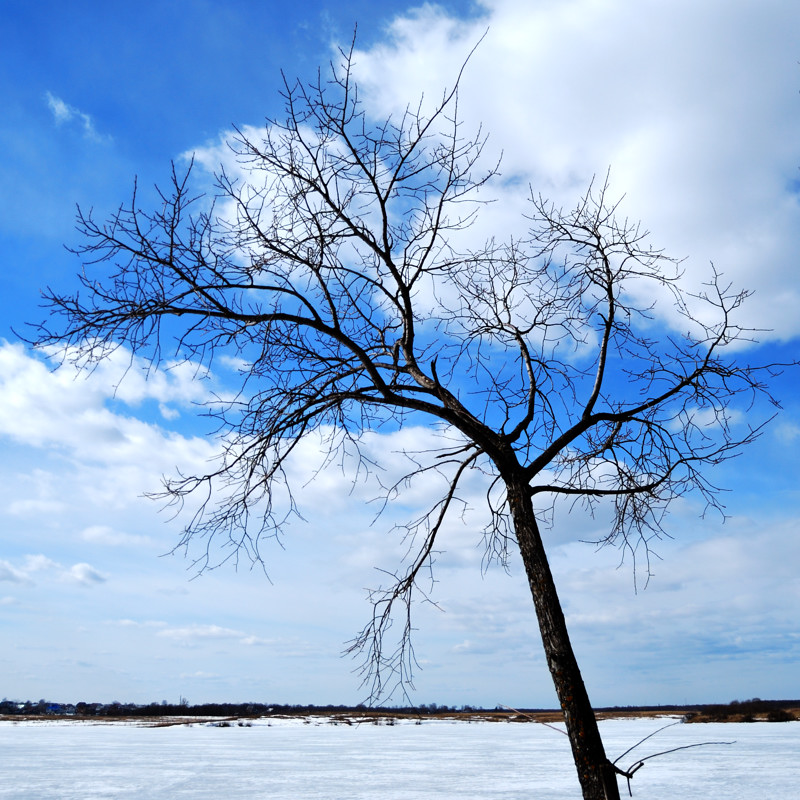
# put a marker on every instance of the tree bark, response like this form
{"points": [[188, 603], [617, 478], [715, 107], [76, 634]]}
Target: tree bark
{"points": [[596, 774]]}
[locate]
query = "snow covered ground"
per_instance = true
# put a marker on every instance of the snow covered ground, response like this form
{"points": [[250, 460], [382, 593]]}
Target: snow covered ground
{"points": [[289, 760]]}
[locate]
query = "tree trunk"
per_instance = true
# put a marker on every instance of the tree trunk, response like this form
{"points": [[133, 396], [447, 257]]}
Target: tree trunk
{"points": [[597, 776]]}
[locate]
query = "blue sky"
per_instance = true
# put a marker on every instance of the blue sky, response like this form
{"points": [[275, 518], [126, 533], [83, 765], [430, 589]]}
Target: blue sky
{"points": [[694, 107]]}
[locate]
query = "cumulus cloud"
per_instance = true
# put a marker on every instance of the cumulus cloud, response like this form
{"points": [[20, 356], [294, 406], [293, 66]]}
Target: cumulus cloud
{"points": [[67, 410], [86, 574], [40, 563], [703, 139], [49, 570]]}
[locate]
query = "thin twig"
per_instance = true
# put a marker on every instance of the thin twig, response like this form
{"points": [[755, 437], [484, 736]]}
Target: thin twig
{"points": [[533, 719]]}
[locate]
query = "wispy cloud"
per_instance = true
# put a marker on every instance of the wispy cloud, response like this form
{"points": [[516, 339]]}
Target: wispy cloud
{"points": [[105, 535], [65, 114], [10, 573], [786, 432], [193, 633], [132, 623]]}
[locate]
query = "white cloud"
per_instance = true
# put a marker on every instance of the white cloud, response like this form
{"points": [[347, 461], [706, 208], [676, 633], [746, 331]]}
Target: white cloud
{"points": [[61, 111], [198, 633], [233, 363], [63, 114], [694, 108], [49, 570], [201, 632], [702, 139], [86, 574], [167, 412], [255, 641], [40, 563], [10, 573], [130, 623], [786, 431], [70, 413]]}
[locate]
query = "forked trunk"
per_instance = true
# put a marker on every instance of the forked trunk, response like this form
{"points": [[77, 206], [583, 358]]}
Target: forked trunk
{"points": [[597, 776]]}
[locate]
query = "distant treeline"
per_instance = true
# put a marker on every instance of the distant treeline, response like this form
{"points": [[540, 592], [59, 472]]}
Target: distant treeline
{"points": [[746, 711], [183, 708], [736, 711]]}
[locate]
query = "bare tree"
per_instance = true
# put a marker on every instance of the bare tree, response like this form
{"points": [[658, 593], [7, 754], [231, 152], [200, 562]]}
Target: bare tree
{"points": [[332, 267]]}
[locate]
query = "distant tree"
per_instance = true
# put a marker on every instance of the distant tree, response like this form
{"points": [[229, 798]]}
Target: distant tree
{"points": [[335, 272], [8, 706]]}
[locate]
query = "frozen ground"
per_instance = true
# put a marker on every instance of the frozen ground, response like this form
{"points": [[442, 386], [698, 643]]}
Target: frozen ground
{"points": [[288, 760]]}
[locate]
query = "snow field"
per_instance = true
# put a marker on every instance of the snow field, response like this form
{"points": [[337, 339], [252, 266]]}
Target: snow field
{"points": [[289, 760]]}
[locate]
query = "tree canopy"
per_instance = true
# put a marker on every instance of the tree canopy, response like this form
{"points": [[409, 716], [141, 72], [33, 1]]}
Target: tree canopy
{"points": [[334, 264]]}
